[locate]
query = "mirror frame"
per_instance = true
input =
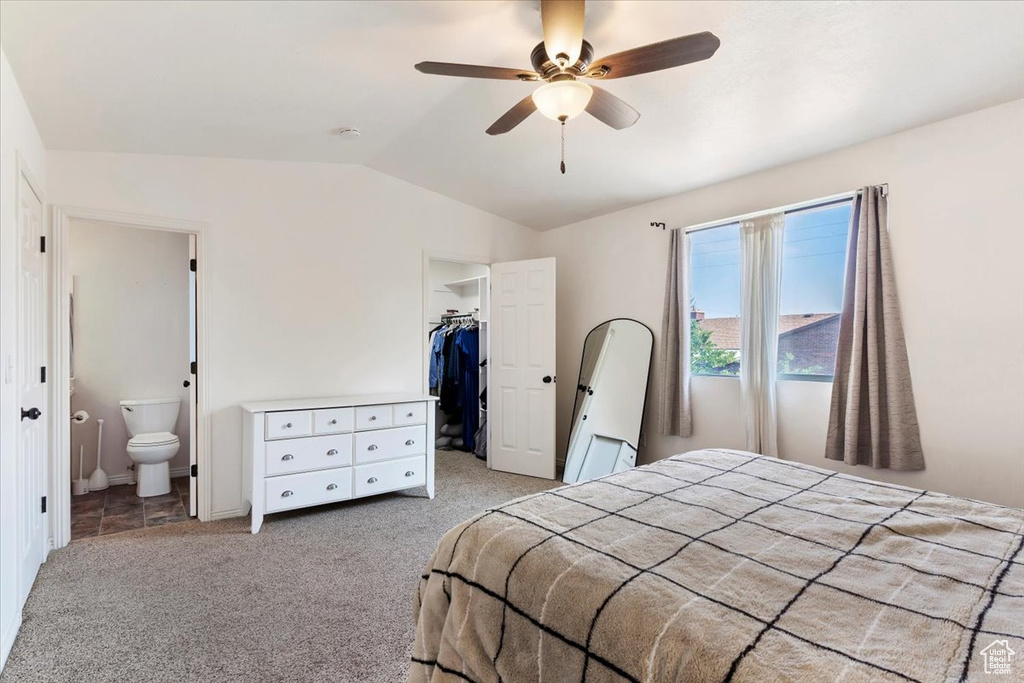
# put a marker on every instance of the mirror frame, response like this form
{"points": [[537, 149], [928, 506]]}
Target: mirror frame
{"points": [[579, 378]]}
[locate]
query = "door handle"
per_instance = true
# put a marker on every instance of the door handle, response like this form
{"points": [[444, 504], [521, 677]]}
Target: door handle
{"points": [[548, 379], [186, 384], [31, 413]]}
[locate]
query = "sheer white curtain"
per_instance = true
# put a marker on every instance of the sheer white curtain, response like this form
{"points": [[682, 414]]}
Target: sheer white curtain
{"points": [[761, 290]]}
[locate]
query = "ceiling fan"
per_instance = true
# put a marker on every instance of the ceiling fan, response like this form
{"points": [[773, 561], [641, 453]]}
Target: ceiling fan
{"points": [[564, 57]]}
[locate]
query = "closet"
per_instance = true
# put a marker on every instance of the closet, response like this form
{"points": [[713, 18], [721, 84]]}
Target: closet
{"points": [[457, 353]]}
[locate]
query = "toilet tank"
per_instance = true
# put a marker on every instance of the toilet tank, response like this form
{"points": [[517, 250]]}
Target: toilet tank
{"points": [[146, 416]]}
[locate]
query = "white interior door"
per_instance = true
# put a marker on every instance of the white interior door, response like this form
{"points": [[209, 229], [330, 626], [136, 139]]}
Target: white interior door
{"points": [[32, 347], [521, 392], [193, 406]]}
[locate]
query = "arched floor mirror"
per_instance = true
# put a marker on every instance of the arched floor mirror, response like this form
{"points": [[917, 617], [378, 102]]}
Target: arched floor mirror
{"points": [[611, 396]]}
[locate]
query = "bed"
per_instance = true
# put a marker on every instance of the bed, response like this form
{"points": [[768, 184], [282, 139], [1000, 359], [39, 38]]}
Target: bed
{"points": [[725, 566]]}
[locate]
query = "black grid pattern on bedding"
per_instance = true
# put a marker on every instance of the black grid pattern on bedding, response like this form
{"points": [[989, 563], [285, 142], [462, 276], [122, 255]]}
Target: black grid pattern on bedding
{"points": [[735, 510]]}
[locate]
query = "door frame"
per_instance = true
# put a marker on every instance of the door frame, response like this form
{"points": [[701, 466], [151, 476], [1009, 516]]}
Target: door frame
{"points": [[435, 255], [60, 399]]}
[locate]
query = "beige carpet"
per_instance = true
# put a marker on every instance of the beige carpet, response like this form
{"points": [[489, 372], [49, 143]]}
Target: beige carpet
{"points": [[318, 595]]}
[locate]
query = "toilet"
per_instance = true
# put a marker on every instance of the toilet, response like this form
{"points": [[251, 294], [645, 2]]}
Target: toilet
{"points": [[153, 443]]}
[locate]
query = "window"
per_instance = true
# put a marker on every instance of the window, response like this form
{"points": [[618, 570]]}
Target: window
{"points": [[813, 263], [814, 258], [715, 301]]}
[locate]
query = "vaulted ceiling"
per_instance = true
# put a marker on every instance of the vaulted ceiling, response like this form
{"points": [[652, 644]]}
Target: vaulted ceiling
{"points": [[266, 80]]}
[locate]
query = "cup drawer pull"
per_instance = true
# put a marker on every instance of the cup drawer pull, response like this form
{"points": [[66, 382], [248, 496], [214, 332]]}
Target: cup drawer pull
{"points": [[372, 447], [409, 442], [287, 456], [333, 451], [331, 487], [409, 473], [287, 494], [371, 480]]}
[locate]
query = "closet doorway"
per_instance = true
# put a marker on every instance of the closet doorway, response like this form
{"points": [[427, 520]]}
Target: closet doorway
{"points": [[457, 295], [505, 314]]}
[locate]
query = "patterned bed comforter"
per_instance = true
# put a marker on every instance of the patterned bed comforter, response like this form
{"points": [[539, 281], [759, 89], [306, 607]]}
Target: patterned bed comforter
{"points": [[723, 565]]}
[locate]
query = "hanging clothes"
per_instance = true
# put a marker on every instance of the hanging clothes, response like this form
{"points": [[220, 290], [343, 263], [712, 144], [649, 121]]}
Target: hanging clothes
{"points": [[436, 359], [454, 377], [449, 374], [467, 342]]}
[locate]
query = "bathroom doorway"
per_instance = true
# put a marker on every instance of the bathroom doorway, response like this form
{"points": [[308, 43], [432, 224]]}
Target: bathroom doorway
{"points": [[128, 347]]}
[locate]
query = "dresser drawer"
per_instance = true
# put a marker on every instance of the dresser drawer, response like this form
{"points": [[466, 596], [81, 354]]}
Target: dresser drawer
{"points": [[289, 424], [389, 476], [373, 417], [386, 444], [332, 420], [309, 488], [410, 414], [314, 453]]}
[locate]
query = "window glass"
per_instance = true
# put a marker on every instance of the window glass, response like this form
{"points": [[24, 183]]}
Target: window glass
{"points": [[813, 263], [715, 301]]}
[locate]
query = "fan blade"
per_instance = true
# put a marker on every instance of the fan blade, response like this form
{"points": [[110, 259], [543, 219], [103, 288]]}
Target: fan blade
{"points": [[563, 29], [474, 71], [610, 110], [658, 56], [513, 117]]}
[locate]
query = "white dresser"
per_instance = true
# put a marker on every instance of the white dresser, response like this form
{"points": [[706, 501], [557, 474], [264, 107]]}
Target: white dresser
{"points": [[310, 452]]}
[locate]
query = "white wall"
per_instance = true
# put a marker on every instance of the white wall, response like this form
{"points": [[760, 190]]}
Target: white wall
{"points": [[18, 135], [315, 272], [957, 230], [131, 333]]}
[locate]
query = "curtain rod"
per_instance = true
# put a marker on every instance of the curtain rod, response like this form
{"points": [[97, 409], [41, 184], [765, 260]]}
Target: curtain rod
{"points": [[789, 208]]}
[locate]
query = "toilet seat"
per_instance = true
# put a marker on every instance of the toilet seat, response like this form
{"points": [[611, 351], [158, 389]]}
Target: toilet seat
{"points": [[154, 439]]}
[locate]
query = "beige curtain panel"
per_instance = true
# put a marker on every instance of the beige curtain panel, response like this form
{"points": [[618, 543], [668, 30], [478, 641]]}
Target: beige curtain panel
{"points": [[873, 420], [676, 417], [760, 296]]}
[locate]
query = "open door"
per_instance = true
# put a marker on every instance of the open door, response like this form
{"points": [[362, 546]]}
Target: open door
{"points": [[193, 406], [522, 382], [31, 450]]}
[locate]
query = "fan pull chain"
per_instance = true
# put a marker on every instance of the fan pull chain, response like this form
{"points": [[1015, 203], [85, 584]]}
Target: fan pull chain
{"points": [[562, 166]]}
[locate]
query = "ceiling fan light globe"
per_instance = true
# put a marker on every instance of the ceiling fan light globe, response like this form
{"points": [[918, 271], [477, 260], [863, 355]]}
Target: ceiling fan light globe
{"points": [[562, 100]]}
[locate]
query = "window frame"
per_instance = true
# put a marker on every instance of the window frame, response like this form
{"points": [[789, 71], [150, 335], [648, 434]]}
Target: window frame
{"points": [[821, 203]]}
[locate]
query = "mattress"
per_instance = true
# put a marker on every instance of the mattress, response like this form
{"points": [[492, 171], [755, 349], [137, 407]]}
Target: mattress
{"points": [[726, 566]]}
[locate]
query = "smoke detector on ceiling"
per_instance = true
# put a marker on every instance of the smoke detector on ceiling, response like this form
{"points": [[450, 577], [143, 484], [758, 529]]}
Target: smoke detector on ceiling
{"points": [[348, 133]]}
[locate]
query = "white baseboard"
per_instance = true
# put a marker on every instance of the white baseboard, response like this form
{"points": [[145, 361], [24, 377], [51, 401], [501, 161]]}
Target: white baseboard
{"points": [[228, 514], [129, 477], [7, 642]]}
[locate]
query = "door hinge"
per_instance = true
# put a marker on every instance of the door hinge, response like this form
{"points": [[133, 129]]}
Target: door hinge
{"points": [[42, 374], [192, 367], [193, 471], [42, 244], [44, 504], [192, 265]]}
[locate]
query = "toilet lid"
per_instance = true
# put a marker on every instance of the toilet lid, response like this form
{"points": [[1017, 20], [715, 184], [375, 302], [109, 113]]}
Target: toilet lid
{"points": [[154, 439]]}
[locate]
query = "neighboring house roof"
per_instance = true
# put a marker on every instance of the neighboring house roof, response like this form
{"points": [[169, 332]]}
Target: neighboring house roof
{"points": [[725, 332]]}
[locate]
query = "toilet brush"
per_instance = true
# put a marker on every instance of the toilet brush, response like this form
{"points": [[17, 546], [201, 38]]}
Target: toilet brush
{"points": [[98, 479], [80, 486]]}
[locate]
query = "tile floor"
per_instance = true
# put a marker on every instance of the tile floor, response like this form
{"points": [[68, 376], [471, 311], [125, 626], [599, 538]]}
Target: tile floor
{"points": [[118, 509]]}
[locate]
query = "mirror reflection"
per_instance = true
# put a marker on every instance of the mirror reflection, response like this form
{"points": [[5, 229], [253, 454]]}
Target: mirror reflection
{"points": [[611, 395]]}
